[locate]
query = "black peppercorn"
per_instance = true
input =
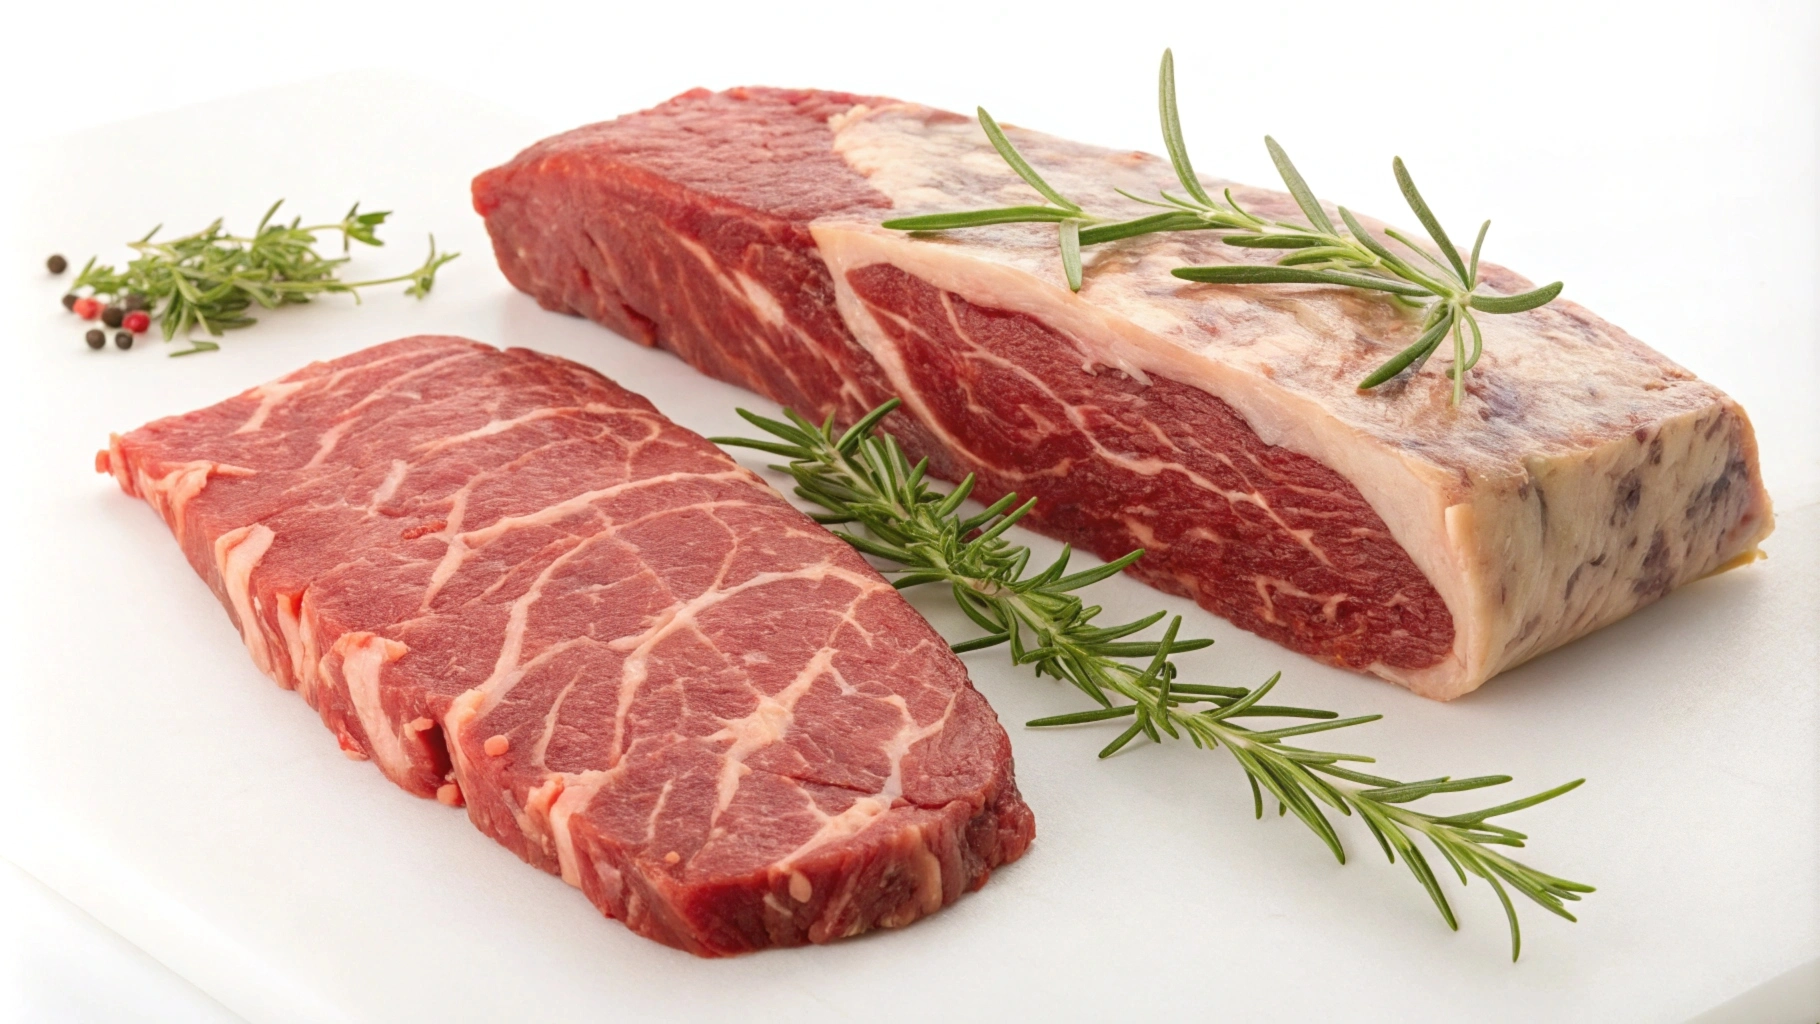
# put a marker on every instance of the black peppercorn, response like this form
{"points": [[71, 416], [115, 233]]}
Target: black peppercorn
{"points": [[133, 301], [123, 339], [57, 264], [69, 301], [95, 338], [112, 316]]}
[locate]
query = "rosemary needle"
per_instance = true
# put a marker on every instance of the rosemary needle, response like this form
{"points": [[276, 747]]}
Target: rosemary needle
{"points": [[1319, 252], [210, 279], [862, 477]]}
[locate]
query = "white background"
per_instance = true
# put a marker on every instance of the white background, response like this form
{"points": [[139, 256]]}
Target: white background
{"points": [[1659, 159]]}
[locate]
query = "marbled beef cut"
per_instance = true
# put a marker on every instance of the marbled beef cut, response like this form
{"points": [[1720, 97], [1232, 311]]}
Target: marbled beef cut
{"points": [[1218, 427], [510, 582]]}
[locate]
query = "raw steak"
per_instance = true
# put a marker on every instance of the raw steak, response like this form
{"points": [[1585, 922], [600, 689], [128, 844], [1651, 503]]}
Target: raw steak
{"points": [[1218, 427], [507, 580]]}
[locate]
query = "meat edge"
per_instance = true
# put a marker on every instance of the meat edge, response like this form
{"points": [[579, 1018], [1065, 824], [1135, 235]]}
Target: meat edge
{"points": [[1479, 540]]}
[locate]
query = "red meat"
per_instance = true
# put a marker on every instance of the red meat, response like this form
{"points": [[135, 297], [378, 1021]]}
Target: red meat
{"points": [[511, 583]]}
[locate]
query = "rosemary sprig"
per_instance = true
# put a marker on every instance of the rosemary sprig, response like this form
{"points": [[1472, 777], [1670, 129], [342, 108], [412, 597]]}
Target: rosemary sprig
{"points": [[210, 279], [1321, 253], [862, 477]]}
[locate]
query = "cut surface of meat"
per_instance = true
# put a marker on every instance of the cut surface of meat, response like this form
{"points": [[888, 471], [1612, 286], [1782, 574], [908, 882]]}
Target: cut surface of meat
{"points": [[512, 584], [1217, 427], [1319, 571]]}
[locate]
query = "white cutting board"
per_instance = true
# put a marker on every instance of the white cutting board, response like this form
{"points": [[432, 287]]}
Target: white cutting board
{"points": [[165, 786]]}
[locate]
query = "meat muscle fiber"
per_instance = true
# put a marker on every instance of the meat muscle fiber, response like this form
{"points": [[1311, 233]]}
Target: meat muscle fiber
{"points": [[512, 584], [1217, 427]]}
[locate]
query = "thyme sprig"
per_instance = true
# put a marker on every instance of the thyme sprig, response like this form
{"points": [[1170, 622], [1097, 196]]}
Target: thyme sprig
{"points": [[210, 279], [1320, 253], [862, 477]]}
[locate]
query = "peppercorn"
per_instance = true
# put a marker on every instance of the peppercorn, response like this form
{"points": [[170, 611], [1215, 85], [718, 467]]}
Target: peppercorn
{"points": [[124, 339], [69, 301], [87, 307], [57, 264], [95, 338], [112, 316], [133, 300], [137, 321]]}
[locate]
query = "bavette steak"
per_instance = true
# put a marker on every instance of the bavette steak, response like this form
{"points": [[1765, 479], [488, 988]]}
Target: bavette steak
{"points": [[509, 582], [1216, 426]]}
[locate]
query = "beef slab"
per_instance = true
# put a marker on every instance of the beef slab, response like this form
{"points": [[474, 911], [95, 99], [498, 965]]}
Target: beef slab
{"points": [[510, 582], [1218, 427]]}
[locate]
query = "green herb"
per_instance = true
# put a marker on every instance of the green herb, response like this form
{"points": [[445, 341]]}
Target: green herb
{"points": [[1321, 253], [210, 279], [862, 477]]}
